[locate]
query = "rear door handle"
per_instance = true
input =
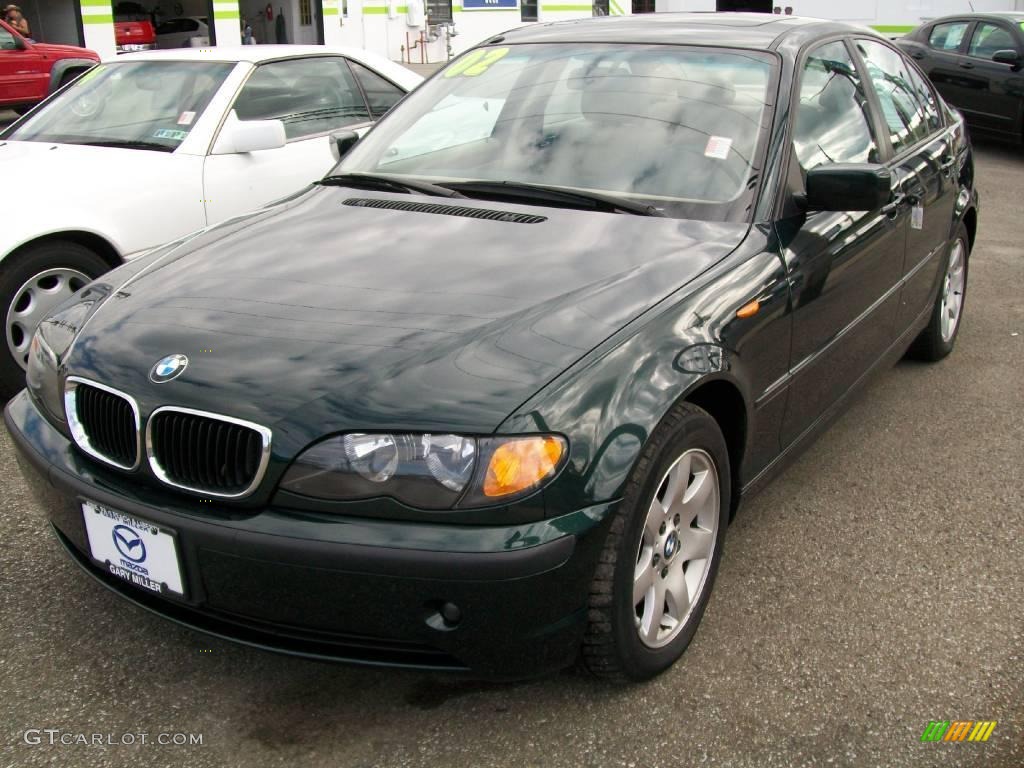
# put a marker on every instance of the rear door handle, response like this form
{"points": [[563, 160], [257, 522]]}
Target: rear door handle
{"points": [[918, 54], [946, 163], [966, 65]]}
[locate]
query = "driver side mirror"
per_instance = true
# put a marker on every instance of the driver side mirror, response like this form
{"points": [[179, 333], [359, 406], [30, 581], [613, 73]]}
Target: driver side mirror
{"points": [[1008, 56], [242, 136], [848, 187], [342, 142]]}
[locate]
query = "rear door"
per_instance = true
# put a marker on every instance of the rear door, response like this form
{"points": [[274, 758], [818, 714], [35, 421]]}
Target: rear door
{"points": [[991, 99], [314, 97], [844, 266], [943, 55], [24, 76], [923, 167]]}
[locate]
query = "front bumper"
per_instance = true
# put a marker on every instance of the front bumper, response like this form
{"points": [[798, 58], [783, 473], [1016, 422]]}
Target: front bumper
{"points": [[365, 591]]}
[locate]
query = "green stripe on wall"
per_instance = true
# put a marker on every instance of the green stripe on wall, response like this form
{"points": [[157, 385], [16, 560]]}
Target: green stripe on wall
{"points": [[330, 11], [102, 18], [892, 28], [94, 3], [226, 15]]}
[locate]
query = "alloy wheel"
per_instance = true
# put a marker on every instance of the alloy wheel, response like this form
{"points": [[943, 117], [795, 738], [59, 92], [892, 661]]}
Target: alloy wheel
{"points": [[33, 301], [675, 549], [953, 291]]}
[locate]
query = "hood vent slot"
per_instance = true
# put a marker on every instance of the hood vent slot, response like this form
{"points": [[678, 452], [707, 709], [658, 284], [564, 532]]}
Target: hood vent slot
{"points": [[446, 210]]}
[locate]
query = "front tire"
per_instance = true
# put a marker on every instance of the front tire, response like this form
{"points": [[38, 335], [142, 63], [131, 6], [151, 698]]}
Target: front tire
{"points": [[33, 282], [662, 552], [937, 339]]}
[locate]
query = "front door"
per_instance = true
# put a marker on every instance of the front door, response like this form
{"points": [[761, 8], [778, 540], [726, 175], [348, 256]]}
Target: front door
{"points": [[991, 99], [23, 76], [314, 97], [844, 267]]}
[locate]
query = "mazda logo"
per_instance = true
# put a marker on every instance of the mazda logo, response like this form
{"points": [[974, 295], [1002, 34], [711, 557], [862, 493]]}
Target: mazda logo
{"points": [[129, 543]]}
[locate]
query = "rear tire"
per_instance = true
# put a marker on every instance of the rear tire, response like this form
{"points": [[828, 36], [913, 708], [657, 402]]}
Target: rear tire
{"points": [[939, 336], [33, 281], [662, 552]]}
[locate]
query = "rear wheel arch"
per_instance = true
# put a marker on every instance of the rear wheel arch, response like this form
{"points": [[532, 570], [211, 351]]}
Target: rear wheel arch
{"points": [[971, 224]]}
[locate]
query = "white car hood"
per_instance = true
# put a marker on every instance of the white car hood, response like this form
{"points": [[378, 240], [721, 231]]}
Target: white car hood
{"points": [[131, 198]]}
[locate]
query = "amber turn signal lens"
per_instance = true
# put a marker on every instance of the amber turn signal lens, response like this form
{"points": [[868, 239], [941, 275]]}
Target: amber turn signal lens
{"points": [[521, 464]]}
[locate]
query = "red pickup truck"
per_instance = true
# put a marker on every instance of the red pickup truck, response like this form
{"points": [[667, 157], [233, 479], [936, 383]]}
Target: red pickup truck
{"points": [[29, 72]]}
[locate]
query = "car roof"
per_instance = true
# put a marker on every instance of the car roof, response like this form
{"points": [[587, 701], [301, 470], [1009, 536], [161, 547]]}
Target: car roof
{"points": [[739, 30], [1004, 15], [255, 54]]}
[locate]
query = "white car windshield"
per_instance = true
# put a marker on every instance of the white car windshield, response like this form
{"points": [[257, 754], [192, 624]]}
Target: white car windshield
{"points": [[680, 128], [138, 105]]}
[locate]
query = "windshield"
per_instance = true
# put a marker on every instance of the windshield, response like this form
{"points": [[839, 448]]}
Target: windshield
{"points": [[677, 127], [143, 105]]}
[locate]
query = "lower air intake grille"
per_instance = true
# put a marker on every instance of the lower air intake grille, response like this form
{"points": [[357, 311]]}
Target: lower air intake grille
{"points": [[446, 210], [103, 422], [207, 453]]}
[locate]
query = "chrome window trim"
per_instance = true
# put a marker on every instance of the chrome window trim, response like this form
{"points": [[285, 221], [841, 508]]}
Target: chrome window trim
{"points": [[78, 430], [265, 438]]}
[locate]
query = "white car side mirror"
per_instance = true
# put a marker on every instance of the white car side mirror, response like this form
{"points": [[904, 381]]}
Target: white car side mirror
{"points": [[240, 136]]}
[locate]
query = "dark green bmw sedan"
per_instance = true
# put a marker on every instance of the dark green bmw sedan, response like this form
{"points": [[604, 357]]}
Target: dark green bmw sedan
{"points": [[487, 397]]}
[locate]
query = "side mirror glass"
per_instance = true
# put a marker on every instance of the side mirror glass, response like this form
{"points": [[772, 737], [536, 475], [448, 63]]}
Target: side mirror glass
{"points": [[241, 136], [342, 142], [1008, 56], [848, 187]]}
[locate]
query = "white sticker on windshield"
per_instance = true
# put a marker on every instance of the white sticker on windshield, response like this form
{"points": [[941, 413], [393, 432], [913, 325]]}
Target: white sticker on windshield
{"points": [[718, 147], [186, 118]]}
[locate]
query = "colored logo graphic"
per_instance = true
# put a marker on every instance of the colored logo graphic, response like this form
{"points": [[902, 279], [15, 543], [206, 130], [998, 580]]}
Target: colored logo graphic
{"points": [[129, 543], [958, 730], [168, 368]]}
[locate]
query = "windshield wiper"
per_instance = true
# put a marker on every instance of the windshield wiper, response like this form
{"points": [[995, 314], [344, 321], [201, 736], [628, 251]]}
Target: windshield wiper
{"points": [[542, 193], [389, 183], [126, 144]]}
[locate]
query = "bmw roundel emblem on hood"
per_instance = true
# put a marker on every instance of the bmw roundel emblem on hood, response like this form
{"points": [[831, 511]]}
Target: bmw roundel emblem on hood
{"points": [[168, 368]]}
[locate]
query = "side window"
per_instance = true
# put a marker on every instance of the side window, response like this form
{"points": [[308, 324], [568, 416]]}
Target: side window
{"points": [[947, 37], [7, 41], [926, 96], [989, 38], [904, 113], [381, 94], [189, 25], [311, 96], [832, 123]]}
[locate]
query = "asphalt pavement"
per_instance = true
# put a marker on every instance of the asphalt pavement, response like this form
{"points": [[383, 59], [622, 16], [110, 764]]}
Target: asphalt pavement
{"points": [[875, 586]]}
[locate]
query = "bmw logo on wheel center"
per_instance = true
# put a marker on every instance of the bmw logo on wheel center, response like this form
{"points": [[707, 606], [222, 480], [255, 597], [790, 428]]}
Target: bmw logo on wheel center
{"points": [[168, 368]]}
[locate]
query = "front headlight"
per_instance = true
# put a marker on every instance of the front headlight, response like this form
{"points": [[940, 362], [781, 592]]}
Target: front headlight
{"points": [[50, 342], [428, 471]]}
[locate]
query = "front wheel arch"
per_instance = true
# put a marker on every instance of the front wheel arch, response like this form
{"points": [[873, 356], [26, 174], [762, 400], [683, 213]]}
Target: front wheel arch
{"points": [[95, 243]]}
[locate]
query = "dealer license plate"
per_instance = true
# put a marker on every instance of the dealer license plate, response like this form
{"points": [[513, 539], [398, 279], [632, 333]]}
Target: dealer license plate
{"points": [[133, 549]]}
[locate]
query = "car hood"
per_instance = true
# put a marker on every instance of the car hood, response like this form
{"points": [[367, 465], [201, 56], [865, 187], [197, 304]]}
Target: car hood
{"points": [[318, 316], [65, 51]]}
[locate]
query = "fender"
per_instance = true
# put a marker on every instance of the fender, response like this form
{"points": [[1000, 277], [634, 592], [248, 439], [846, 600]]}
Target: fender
{"points": [[616, 395], [61, 66]]}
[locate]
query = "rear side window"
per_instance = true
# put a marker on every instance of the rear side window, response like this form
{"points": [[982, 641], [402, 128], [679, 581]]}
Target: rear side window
{"points": [[310, 96], [947, 37], [989, 38], [832, 124], [906, 115], [381, 93]]}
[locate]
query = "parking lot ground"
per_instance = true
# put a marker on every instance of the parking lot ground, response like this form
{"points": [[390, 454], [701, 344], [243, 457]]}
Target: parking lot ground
{"points": [[7, 117], [875, 586]]}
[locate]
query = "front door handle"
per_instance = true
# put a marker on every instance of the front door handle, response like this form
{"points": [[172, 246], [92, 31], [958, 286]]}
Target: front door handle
{"points": [[899, 199], [918, 54], [946, 163], [966, 65]]}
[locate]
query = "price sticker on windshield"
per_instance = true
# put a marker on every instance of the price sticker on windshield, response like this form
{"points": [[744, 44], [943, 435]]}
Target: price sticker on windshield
{"points": [[476, 63]]}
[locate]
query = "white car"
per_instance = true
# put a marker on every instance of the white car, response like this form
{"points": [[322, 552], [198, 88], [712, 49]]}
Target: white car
{"points": [[178, 33], [151, 146]]}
